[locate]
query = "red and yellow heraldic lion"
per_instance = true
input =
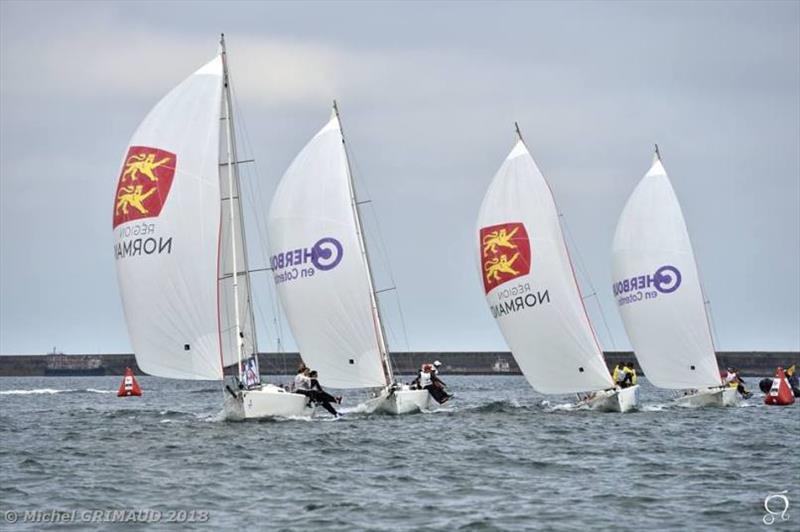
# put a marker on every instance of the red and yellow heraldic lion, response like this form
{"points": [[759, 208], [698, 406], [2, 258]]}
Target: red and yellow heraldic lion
{"points": [[143, 184], [505, 255]]}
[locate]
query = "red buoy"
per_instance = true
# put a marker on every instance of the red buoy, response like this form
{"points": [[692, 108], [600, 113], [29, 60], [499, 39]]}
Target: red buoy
{"points": [[781, 392], [129, 385]]}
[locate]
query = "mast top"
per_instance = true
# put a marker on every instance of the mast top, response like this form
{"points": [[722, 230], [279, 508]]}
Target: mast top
{"points": [[658, 153], [519, 133], [336, 109]]}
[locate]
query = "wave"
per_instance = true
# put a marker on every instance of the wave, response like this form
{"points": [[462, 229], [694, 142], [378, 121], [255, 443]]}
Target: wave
{"points": [[50, 391], [654, 407], [505, 405], [205, 390], [37, 391], [563, 407]]}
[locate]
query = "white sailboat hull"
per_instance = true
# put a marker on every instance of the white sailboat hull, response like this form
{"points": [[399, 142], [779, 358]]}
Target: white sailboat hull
{"points": [[406, 402], [402, 401], [266, 402], [710, 397], [616, 400]]}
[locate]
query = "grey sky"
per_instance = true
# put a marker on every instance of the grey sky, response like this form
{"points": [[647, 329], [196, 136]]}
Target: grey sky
{"points": [[429, 93]]}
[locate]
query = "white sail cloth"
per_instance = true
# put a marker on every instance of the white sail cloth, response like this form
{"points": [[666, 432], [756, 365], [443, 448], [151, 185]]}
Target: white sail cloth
{"points": [[166, 256], [319, 269], [657, 288], [530, 285]]}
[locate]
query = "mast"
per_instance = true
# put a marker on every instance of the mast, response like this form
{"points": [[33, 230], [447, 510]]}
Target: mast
{"points": [[380, 334], [234, 189]]}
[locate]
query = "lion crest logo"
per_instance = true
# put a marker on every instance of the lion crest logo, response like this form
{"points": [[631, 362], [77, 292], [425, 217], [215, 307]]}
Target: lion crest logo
{"points": [[144, 184], [505, 253]]}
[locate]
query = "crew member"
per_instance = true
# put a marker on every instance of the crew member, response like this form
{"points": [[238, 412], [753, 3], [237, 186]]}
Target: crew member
{"points": [[318, 395], [427, 380], [302, 382], [423, 375], [733, 380], [631, 372], [437, 388], [620, 376]]}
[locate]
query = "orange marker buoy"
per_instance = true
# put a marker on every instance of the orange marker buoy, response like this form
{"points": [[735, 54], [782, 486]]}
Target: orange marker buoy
{"points": [[129, 386], [781, 392]]}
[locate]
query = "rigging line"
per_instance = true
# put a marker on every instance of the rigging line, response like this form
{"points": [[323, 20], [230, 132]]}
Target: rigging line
{"points": [[260, 224], [355, 172], [382, 247], [587, 277], [254, 185], [710, 316]]}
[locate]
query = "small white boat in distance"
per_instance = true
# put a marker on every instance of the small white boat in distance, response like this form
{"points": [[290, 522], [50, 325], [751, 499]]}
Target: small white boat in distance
{"points": [[532, 292], [322, 273], [180, 251], [658, 293]]}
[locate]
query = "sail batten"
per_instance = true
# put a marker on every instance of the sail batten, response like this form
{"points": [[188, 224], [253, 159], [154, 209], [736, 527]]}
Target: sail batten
{"points": [[529, 282], [657, 287]]}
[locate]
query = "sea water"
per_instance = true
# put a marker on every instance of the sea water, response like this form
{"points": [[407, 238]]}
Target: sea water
{"points": [[498, 457]]}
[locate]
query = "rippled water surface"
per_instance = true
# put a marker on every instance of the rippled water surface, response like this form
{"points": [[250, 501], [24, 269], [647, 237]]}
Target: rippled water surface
{"points": [[500, 457]]}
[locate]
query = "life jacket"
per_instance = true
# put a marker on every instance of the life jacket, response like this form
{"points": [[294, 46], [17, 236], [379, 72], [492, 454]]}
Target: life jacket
{"points": [[425, 379], [619, 375], [632, 373], [730, 380]]}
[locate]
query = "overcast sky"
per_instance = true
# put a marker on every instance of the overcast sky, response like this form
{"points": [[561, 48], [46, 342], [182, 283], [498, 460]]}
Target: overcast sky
{"points": [[429, 93]]}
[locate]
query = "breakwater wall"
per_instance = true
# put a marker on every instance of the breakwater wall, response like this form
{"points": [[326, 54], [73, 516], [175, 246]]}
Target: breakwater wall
{"points": [[749, 363]]}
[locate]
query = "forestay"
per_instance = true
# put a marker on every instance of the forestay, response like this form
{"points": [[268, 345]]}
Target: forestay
{"points": [[232, 228], [530, 285], [657, 288], [319, 270], [166, 230]]}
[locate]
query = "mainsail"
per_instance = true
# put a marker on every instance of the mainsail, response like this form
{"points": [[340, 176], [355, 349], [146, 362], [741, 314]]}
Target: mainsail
{"points": [[530, 285], [320, 268], [657, 288]]}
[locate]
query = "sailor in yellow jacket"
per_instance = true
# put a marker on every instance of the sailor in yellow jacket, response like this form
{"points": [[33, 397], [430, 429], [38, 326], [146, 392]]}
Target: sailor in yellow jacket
{"points": [[618, 375], [630, 370]]}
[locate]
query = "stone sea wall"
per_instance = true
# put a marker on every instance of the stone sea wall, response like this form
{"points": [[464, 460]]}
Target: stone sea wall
{"points": [[749, 363]]}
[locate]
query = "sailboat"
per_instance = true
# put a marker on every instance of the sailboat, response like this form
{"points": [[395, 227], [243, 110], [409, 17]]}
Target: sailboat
{"points": [[532, 292], [658, 293], [180, 248], [321, 267]]}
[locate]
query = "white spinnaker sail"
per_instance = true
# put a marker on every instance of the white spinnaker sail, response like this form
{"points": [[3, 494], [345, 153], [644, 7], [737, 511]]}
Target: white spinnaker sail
{"points": [[530, 285], [166, 230], [657, 288], [319, 270]]}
